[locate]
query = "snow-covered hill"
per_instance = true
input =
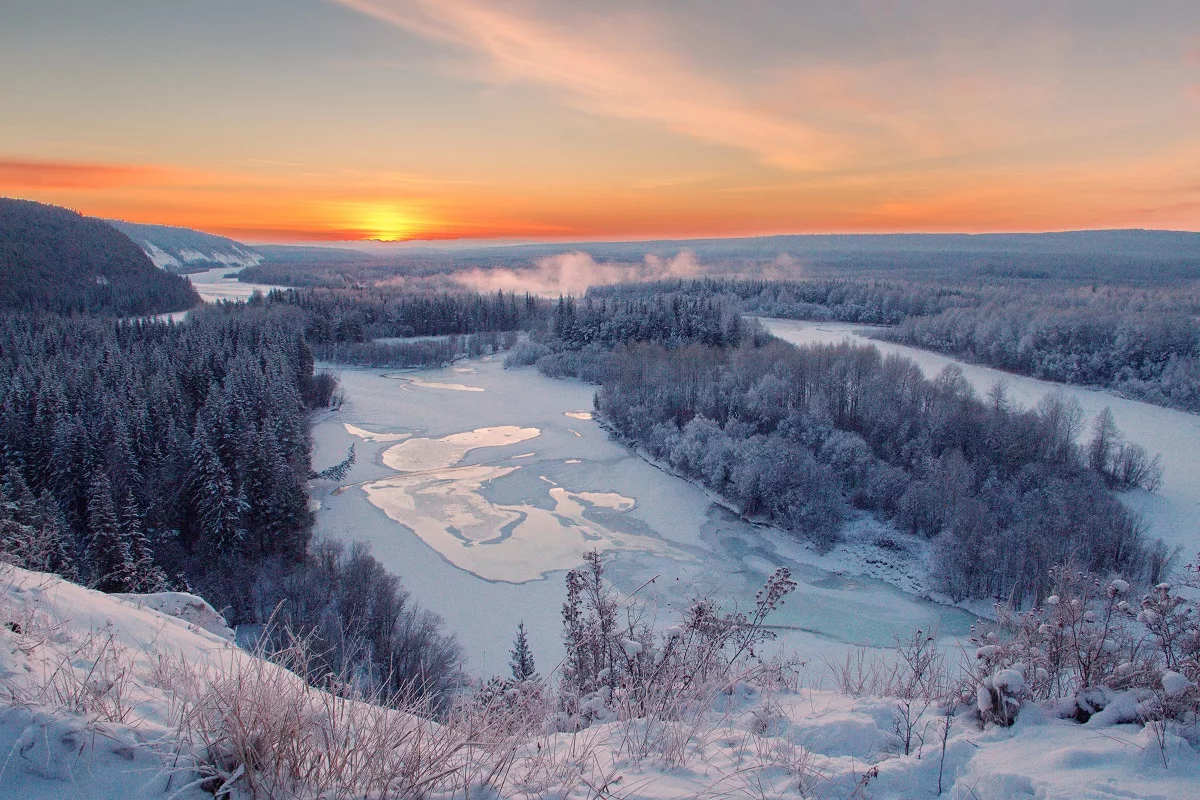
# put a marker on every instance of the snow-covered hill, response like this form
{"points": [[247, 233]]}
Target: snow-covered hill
{"points": [[184, 250], [105, 696]]}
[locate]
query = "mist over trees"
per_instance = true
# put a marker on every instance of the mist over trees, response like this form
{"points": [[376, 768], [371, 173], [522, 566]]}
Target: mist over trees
{"points": [[1139, 258]]}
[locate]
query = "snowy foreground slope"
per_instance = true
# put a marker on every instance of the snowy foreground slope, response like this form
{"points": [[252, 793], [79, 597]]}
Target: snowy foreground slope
{"points": [[115, 697]]}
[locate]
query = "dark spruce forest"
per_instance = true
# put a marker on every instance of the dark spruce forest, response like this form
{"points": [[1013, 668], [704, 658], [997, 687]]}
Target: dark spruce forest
{"points": [[53, 259]]}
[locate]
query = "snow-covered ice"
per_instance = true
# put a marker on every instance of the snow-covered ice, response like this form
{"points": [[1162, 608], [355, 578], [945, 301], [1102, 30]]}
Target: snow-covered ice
{"points": [[213, 285]]}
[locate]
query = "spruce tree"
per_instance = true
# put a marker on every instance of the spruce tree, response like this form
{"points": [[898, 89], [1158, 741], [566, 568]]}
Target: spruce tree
{"points": [[109, 559], [58, 543], [215, 504], [16, 492], [147, 575], [522, 665]]}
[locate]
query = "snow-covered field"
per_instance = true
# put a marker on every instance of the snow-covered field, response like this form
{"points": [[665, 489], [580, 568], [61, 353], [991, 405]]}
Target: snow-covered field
{"points": [[503, 480], [1172, 513], [92, 710]]}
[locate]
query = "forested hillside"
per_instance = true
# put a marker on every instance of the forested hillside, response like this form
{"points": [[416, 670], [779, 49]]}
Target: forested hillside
{"points": [[138, 456], [417, 328], [1141, 342], [53, 259], [579, 338]]}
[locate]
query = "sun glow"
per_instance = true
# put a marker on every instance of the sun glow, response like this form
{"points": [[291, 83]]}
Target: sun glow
{"points": [[386, 223]]}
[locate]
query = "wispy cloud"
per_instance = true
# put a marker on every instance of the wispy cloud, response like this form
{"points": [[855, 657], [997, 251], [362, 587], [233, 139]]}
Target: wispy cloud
{"points": [[16, 173], [611, 67]]}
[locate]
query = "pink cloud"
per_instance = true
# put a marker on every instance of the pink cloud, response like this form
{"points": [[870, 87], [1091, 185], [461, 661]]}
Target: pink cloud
{"points": [[35, 174], [612, 68]]}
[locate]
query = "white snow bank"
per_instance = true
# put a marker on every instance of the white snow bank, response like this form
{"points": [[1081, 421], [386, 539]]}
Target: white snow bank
{"points": [[82, 713], [103, 731], [189, 608], [106, 697], [814, 743], [1173, 683]]}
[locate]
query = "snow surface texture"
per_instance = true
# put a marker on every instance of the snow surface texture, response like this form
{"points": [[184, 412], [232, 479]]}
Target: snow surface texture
{"points": [[1175, 435], [761, 740], [63, 645], [564, 487]]}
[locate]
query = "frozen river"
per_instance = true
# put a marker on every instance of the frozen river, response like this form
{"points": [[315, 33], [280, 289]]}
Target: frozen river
{"points": [[479, 487], [213, 285]]}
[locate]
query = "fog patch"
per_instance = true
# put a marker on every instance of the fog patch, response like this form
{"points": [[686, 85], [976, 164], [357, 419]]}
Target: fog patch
{"points": [[575, 272]]}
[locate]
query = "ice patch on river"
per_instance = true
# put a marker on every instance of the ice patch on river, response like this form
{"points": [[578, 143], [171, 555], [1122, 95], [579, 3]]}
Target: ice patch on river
{"points": [[221, 283], [456, 387], [442, 503], [420, 455], [368, 436]]}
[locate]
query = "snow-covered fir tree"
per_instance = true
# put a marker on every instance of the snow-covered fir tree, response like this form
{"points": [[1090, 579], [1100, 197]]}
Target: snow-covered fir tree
{"points": [[523, 668], [109, 559], [147, 575]]}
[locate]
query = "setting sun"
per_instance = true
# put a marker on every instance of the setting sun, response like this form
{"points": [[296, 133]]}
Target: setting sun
{"points": [[385, 223]]}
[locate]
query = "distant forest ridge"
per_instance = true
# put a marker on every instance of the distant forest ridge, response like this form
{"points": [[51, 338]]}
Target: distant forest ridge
{"points": [[54, 259], [1131, 241], [1132, 257]]}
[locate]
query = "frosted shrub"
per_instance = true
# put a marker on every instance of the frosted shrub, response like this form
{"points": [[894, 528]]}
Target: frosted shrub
{"points": [[1087, 644], [525, 354], [508, 706], [1069, 647], [1173, 623], [616, 667]]}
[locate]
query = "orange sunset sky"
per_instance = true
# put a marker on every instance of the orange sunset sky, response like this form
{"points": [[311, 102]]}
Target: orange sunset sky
{"points": [[310, 120]]}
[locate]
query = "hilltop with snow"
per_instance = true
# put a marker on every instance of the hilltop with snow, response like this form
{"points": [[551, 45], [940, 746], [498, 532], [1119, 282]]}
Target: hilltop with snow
{"points": [[183, 250], [108, 696]]}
